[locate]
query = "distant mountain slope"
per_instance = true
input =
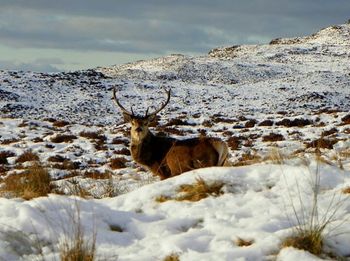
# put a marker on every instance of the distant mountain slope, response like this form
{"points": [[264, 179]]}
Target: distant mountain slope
{"points": [[294, 75]]}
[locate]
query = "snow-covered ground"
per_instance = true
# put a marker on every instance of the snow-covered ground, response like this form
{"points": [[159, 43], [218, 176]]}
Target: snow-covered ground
{"points": [[275, 105]]}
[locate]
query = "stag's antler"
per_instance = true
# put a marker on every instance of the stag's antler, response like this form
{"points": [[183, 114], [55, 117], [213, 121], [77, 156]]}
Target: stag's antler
{"points": [[121, 106], [132, 112], [162, 107]]}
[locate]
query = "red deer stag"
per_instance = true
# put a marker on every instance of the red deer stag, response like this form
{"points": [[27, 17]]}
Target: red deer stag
{"points": [[165, 156]]}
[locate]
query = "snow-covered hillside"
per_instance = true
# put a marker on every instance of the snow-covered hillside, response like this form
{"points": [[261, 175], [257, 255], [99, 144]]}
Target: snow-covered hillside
{"points": [[283, 109], [294, 75]]}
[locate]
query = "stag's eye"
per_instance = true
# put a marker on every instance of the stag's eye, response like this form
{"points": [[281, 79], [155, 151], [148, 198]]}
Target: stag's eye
{"points": [[138, 129]]}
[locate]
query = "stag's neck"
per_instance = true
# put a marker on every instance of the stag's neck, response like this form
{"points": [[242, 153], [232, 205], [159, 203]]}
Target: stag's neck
{"points": [[138, 142], [151, 149]]}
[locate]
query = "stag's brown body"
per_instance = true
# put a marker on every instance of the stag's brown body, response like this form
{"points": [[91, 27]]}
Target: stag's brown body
{"points": [[166, 156]]}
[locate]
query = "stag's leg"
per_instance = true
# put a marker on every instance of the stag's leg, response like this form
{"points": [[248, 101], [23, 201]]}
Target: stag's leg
{"points": [[160, 170]]}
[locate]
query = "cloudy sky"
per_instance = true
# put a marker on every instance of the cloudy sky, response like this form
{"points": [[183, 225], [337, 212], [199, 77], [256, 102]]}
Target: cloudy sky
{"points": [[52, 35]]}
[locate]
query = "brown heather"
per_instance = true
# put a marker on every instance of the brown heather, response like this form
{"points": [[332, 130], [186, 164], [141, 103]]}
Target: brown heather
{"points": [[33, 183]]}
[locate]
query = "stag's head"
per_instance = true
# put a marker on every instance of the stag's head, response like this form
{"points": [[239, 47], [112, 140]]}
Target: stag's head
{"points": [[139, 124]]}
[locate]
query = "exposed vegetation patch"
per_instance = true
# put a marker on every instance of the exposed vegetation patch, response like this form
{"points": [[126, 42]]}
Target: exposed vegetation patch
{"points": [[92, 135], [177, 121], [196, 191], [34, 182], [329, 132], [248, 158], [4, 155], [117, 163], [250, 123], [60, 123], [59, 138], [97, 174], [234, 143], [9, 141], [27, 156], [273, 137], [118, 140], [300, 122], [346, 119], [172, 257], [309, 240], [346, 190], [123, 151], [266, 123], [244, 242], [322, 143]]}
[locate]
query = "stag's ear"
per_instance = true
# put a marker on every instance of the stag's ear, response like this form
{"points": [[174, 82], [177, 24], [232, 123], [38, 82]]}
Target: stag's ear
{"points": [[127, 117], [151, 118]]}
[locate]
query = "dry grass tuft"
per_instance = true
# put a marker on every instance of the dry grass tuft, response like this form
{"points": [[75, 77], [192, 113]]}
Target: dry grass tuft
{"points": [[248, 158], [195, 192], [346, 190], [172, 257], [27, 156], [244, 242], [33, 183], [199, 190], [76, 247], [276, 157], [162, 199], [309, 240]]}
